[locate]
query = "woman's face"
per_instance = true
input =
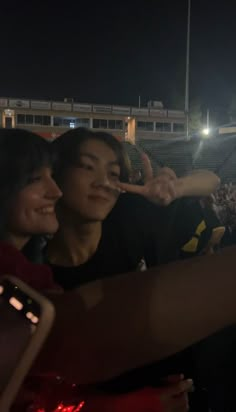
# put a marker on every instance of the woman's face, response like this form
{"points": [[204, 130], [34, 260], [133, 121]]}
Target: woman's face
{"points": [[33, 211], [89, 189]]}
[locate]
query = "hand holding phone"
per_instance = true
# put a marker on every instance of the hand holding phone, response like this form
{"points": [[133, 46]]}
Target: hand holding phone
{"points": [[26, 318]]}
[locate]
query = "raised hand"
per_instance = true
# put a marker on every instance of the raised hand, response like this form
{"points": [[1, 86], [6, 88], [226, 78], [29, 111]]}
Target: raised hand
{"points": [[162, 189]]}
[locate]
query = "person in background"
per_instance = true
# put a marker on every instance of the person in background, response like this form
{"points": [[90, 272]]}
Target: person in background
{"points": [[223, 204]]}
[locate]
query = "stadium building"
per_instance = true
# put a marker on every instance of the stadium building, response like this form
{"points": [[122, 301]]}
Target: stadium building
{"points": [[51, 118]]}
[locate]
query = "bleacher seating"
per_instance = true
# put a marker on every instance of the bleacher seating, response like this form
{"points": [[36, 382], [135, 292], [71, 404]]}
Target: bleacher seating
{"points": [[216, 153]]}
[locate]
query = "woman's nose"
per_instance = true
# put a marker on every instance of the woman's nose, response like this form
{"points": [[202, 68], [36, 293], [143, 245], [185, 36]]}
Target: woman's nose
{"points": [[54, 192]]}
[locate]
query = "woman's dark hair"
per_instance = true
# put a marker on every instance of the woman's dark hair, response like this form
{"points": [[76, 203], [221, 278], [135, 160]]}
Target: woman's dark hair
{"points": [[67, 149], [21, 154]]}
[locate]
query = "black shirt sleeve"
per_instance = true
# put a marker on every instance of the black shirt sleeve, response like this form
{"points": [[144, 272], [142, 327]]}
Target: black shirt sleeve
{"points": [[185, 228], [163, 234]]}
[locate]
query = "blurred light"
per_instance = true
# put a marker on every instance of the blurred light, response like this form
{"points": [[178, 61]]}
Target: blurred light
{"points": [[34, 319], [206, 131], [1, 290], [16, 303], [72, 125], [8, 112], [29, 315]]}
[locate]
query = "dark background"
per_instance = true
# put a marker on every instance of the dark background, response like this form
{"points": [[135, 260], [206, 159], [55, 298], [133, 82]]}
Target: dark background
{"points": [[112, 52]]}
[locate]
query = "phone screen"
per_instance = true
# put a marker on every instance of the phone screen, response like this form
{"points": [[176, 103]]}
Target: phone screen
{"points": [[19, 317]]}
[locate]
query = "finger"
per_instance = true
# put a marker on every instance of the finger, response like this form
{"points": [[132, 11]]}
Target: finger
{"points": [[167, 171], [176, 389], [162, 179], [184, 386], [147, 167], [174, 378], [165, 177], [163, 193], [170, 191], [135, 189], [167, 192]]}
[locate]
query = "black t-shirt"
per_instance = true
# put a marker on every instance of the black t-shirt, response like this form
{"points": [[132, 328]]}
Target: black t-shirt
{"points": [[136, 229]]}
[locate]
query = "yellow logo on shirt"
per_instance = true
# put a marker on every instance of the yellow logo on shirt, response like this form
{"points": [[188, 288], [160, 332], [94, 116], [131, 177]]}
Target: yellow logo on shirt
{"points": [[192, 245]]}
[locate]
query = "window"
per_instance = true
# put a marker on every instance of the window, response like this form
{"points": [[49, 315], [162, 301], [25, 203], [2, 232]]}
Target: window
{"points": [[70, 122], [141, 125], [57, 121], [108, 124], [67, 121], [178, 127], [81, 122], [42, 120], [145, 126], [96, 123], [111, 124], [115, 124], [163, 127], [33, 119], [38, 119], [21, 119], [100, 123], [29, 119], [119, 125], [103, 123]]}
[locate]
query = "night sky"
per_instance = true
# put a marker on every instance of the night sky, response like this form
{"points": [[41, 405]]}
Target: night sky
{"points": [[112, 52]]}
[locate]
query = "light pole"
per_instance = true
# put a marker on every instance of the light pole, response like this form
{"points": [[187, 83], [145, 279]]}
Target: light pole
{"points": [[187, 70], [208, 119]]}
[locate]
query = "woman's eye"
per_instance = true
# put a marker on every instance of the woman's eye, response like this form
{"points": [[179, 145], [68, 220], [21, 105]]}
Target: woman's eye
{"points": [[86, 166], [34, 179]]}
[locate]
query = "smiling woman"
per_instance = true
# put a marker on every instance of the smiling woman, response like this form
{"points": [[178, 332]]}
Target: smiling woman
{"points": [[28, 192], [28, 195]]}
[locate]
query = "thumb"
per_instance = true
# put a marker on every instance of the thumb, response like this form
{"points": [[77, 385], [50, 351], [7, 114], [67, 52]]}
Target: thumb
{"points": [[130, 188], [176, 389], [168, 172]]}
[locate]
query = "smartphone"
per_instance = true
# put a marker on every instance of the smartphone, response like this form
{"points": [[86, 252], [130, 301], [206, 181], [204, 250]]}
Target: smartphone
{"points": [[26, 318]]}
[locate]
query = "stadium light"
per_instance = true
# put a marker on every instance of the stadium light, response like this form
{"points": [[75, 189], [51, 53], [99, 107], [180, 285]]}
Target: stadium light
{"points": [[206, 131]]}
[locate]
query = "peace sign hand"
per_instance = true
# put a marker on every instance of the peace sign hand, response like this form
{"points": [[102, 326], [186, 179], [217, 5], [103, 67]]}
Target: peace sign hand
{"points": [[161, 190]]}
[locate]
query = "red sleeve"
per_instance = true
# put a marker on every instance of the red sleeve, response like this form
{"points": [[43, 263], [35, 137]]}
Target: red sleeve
{"points": [[59, 397], [144, 400], [13, 262]]}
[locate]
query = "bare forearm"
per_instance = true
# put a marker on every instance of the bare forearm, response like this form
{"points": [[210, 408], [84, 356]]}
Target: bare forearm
{"points": [[139, 318], [198, 183], [94, 339]]}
